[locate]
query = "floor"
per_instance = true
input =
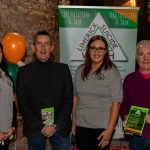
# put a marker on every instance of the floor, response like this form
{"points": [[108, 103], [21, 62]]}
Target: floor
{"points": [[22, 144]]}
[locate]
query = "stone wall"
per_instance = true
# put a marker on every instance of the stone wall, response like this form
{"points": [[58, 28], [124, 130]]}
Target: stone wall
{"points": [[28, 16]]}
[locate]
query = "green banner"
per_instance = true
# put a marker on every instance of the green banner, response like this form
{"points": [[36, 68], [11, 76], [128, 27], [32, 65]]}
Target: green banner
{"points": [[82, 18], [77, 24]]}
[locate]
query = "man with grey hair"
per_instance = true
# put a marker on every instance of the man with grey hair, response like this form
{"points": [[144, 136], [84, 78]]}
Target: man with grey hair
{"points": [[142, 43], [136, 88]]}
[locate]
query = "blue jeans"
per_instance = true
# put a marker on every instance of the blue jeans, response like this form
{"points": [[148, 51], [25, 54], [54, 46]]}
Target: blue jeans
{"points": [[56, 141], [139, 143]]}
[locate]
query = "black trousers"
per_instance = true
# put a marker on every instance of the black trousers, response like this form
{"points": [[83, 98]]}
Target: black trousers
{"points": [[86, 139], [5, 146]]}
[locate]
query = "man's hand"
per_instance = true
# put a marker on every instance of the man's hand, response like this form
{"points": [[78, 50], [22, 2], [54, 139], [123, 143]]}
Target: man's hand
{"points": [[48, 130], [147, 118], [124, 125]]}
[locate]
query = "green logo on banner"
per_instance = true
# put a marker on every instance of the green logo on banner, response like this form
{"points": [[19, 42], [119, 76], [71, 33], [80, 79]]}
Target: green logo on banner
{"points": [[99, 27]]}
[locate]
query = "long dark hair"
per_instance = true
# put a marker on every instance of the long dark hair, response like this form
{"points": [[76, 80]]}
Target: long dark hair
{"points": [[107, 63], [3, 63]]}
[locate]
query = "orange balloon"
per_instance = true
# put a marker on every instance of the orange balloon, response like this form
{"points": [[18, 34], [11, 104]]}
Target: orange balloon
{"points": [[14, 47]]}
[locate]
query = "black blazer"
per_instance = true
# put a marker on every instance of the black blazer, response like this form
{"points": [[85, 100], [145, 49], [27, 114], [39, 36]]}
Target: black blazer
{"points": [[29, 98]]}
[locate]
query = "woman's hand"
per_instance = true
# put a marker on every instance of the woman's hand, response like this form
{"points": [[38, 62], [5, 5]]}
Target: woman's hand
{"points": [[1, 136], [73, 129], [106, 135], [105, 138], [8, 132]]}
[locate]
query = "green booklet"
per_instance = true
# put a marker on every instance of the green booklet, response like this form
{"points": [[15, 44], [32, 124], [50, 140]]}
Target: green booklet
{"points": [[135, 121], [47, 115]]}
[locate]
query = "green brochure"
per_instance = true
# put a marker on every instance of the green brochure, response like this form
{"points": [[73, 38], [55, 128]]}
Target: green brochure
{"points": [[47, 115], [135, 121]]}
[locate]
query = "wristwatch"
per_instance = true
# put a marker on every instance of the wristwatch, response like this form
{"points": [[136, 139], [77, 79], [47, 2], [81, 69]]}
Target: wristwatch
{"points": [[56, 127]]}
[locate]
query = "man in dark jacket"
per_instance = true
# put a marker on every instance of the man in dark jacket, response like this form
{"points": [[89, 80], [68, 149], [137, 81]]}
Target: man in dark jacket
{"points": [[45, 96]]}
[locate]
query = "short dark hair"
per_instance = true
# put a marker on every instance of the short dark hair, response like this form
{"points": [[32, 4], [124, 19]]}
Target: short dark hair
{"points": [[42, 32], [107, 63]]}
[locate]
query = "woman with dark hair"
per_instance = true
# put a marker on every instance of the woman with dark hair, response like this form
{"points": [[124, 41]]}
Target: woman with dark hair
{"points": [[97, 97], [7, 104]]}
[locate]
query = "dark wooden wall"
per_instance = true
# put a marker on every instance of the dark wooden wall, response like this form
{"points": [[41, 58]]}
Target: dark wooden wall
{"points": [[144, 22], [87, 2], [144, 14]]}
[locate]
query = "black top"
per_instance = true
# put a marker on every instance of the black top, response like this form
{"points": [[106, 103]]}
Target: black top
{"points": [[44, 80], [40, 85]]}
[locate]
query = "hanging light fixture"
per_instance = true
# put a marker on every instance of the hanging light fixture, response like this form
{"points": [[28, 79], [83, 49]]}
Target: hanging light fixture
{"points": [[133, 3]]}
